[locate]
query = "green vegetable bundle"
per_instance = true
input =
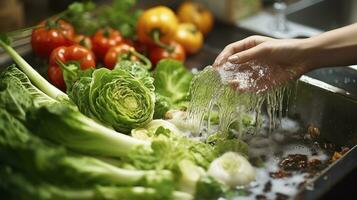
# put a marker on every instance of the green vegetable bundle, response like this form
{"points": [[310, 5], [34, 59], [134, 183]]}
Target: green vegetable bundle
{"points": [[47, 147], [35, 133], [122, 98], [52, 146]]}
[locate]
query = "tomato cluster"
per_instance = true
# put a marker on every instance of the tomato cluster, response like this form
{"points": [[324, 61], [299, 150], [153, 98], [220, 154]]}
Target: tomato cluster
{"points": [[160, 34]]}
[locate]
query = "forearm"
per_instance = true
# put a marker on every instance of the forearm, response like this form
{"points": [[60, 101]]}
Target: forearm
{"points": [[333, 48]]}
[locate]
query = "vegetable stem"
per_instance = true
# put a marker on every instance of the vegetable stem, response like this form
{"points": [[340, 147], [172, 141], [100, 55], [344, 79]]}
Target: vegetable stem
{"points": [[144, 59], [33, 75], [23, 32], [156, 37]]}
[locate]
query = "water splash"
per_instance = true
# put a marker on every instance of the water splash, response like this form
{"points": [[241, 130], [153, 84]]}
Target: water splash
{"points": [[211, 92]]}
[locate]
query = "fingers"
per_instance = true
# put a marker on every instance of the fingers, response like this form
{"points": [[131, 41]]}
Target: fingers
{"points": [[237, 47], [227, 51], [245, 56]]}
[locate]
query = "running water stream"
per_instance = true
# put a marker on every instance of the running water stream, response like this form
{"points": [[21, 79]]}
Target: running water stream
{"points": [[213, 90]]}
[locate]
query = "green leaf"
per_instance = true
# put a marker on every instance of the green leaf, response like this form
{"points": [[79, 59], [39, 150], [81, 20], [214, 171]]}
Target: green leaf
{"points": [[235, 145], [20, 186], [209, 189], [76, 7], [172, 80], [138, 70], [78, 132], [39, 81], [79, 94], [162, 105], [122, 100], [18, 95], [82, 17]]}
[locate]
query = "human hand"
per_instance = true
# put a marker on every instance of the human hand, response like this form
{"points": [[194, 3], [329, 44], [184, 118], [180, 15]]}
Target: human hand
{"points": [[264, 62]]}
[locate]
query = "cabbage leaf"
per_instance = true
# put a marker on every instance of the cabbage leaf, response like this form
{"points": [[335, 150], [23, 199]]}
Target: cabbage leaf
{"points": [[172, 80], [122, 98]]}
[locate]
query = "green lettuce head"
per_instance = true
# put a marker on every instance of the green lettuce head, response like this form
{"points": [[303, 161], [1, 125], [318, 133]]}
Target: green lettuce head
{"points": [[119, 98]]}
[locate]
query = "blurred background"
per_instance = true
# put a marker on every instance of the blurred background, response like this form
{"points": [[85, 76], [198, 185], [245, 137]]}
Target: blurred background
{"points": [[15, 14], [318, 14], [288, 14]]}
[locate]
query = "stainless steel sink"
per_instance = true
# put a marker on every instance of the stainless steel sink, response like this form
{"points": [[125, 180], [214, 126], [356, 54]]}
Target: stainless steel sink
{"points": [[303, 18], [323, 14]]}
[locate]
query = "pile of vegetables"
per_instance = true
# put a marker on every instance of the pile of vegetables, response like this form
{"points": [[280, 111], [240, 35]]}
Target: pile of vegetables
{"points": [[63, 146], [102, 36], [106, 136]]}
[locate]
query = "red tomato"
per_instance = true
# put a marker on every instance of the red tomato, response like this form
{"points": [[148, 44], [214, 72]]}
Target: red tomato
{"points": [[55, 76], [104, 39], [63, 54], [177, 52], [116, 53], [53, 34], [141, 47], [82, 40]]}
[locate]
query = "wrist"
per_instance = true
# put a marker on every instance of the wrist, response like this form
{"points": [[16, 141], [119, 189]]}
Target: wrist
{"points": [[309, 48]]}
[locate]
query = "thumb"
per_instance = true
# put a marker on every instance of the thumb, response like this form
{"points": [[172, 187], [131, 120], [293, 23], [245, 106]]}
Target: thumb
{"points": [[247, 55]]}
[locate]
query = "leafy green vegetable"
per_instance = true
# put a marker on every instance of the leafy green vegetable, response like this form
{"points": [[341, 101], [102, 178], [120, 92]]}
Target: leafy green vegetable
{"points": [[25, 151], [121, 16], [77, 132], [136, 69], [12, 79], [81, 16], [209, 189], [169, 149], [139, 193], [122, 98], [150, 131], [232, 169], [190, 175], [23, 187], [131, 101], [41, 83], [116, 98], [87, 18], [172, 80], [234, 145], [162, 105], [80, 133], [188, 158], [222, 144], [51, 150], [73, 129], [8, 97]]}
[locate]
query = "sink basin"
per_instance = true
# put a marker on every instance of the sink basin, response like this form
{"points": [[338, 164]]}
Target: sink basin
{"points": [[344, 78], [323, 15], [304, 18]]}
